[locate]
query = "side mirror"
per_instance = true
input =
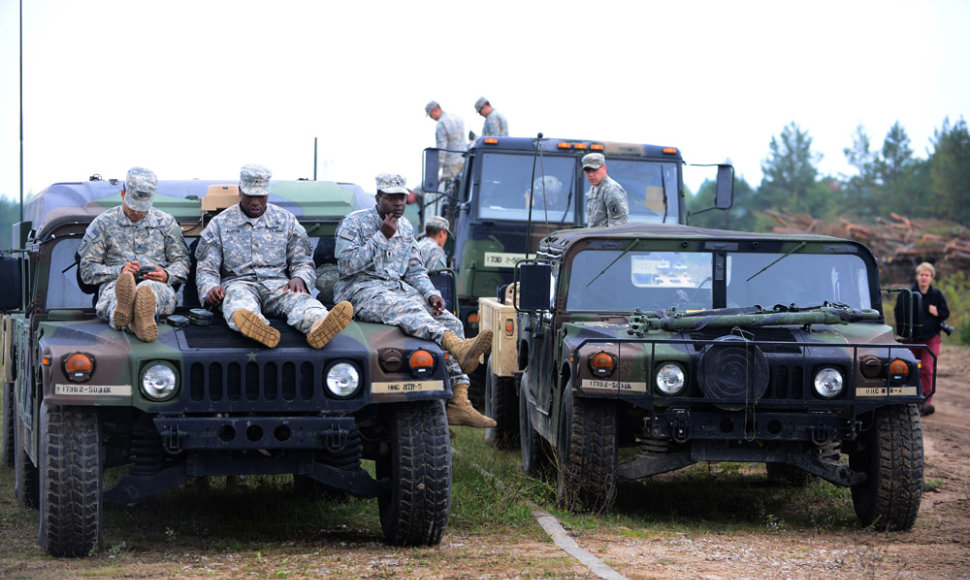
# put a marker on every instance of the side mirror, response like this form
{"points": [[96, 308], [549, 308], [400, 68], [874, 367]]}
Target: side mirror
{"points": [[725, 187], [535, 286], [908, 313], [10, 290], [429, 181], [444, 281]]}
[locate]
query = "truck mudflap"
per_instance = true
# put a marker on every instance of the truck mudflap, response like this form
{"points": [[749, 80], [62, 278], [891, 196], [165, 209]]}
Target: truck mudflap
{"points": [[236, 433]]}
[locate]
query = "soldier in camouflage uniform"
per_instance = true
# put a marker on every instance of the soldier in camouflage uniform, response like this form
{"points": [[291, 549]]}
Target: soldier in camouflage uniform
{"points": [[382, 275], [606, 203], [430, 247], [449, 134], [495, 123], [254, 257], [124, 240]]}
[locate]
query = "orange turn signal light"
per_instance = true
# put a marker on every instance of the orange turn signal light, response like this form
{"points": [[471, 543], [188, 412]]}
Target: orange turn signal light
{"points": [[421, 359], [898, 367]]}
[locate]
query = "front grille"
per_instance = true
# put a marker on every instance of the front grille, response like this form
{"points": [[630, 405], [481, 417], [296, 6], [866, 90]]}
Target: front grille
{"points": [[287, 381], [225, 372]]}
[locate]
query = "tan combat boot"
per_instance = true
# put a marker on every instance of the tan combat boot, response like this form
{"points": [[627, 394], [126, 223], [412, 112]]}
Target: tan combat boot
{"points": [[461, 411], [251, 325], [467, 351], [125, 297], [330, 325], [143, 315]]}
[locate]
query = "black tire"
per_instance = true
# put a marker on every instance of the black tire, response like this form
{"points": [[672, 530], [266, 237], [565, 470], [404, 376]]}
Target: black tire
{"points": [[535, 450], [891, 453], [501, 404], [785, 474], [26, 482], [71, 481], [418, 470], [7, 445], [587, 454]]}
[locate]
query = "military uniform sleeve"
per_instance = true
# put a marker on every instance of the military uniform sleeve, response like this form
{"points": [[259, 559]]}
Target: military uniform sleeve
{"points": [[417, 275], [209, 259], [617, 209], [355, 252], [92, 253], [299, 255], [176, 253]]}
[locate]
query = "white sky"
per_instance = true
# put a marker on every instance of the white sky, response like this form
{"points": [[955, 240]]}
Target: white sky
{"points": [[197, 88]]}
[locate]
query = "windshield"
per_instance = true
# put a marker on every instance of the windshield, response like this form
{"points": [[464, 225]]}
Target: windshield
{"points": [[506, 184], [647, 184], [611, 281]]}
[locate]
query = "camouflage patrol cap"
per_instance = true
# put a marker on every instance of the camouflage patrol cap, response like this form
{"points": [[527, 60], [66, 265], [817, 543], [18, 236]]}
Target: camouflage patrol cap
{"points": [[594, 161], [430, 107], [254, 180], [140, 188], [391, 183], [481, 102], [437, 221]]}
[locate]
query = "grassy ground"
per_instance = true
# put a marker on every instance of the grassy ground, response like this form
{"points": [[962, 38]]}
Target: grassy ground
{"points": [[265, 529]]}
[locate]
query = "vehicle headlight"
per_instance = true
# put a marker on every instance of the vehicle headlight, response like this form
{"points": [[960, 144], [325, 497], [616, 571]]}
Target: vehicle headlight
{"points": [[671, 379], [159, 381], [343, 380], [828, 382]]}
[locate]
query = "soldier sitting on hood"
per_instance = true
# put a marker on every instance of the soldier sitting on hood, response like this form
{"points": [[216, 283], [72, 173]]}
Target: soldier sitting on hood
{"points": [[134, 239]]}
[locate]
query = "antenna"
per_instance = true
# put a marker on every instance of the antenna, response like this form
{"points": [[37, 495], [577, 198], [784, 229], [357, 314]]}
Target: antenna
{"points": [[21, 111]]}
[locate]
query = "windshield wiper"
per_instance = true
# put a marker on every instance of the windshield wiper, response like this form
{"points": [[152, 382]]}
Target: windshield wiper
{"points": [[797, 247]]}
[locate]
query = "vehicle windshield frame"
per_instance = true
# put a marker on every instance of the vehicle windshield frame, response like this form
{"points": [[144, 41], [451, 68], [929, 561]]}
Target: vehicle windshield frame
{"points": [[689, 280]]}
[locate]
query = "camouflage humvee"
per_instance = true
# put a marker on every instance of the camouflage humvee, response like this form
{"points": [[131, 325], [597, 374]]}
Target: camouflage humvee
{"points": [[78, 399], [680, 344]]}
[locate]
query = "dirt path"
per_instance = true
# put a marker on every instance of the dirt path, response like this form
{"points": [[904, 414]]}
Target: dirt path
{"points": [[938, 546]]}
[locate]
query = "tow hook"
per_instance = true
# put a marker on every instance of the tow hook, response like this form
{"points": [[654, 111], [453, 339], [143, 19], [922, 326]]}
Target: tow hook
{"points": [[171, 440], [679, 425], [821, 434]]}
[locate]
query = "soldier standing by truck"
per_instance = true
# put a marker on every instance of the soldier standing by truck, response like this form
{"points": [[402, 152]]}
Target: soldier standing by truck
{"points": [[606, 203], [382, 275], [431, 246], [255, 256], [132, 240], [449, 134], [495, 123]]}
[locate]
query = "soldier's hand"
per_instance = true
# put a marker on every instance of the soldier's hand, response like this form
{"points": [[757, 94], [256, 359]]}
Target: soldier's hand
{"points": [[389, 226], [131, 267], [437, 304], [157, 275], [215, 296], [296, 285]]}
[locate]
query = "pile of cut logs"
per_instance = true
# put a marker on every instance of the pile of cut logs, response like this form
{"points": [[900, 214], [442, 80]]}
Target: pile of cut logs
{"points": [[900, 243]]}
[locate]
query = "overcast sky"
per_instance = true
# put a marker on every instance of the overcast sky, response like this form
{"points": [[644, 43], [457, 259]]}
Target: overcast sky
{"points": [[197, 88]]}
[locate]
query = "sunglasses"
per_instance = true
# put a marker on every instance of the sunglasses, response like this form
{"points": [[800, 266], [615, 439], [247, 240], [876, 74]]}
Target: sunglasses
{"points": [[590, 169]]}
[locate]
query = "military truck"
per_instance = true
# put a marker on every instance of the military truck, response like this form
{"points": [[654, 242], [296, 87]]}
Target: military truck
{"points": [[514, 190], [676, 345], [203, 400]]}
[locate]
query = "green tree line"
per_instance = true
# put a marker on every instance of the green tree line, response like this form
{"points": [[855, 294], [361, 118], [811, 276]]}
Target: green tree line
{"points": [[886, 180], [9, 215]]}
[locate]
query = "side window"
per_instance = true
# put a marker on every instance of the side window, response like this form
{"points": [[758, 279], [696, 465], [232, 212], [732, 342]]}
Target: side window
{"points": [[62, 288]]}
